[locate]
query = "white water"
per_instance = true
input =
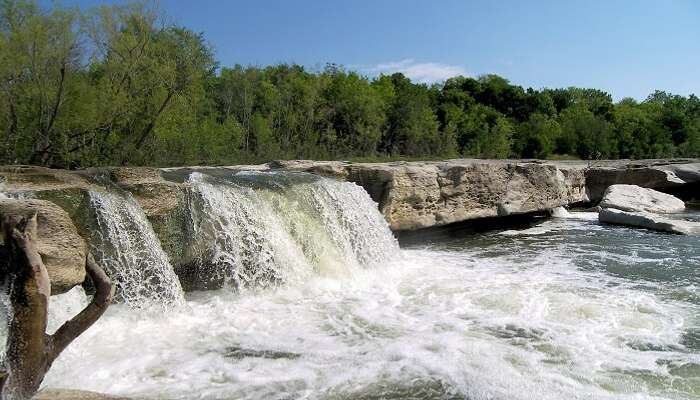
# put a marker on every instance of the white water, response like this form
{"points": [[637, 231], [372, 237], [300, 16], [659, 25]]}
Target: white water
{"points": [[254, 233], [503, 329], [126, 246], [577, 310]]}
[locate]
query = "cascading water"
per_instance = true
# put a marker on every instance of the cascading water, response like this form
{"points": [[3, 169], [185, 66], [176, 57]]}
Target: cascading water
{"points": [[5, 308], [257, 228], [126, 246], [569, 309]]}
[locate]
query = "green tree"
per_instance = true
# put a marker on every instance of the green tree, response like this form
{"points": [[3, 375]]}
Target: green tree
{"points": [[40, 72], [535, 138], [586, 134], [355, 113]]}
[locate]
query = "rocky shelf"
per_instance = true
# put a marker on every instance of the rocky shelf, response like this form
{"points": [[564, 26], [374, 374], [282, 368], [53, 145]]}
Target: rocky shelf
{"points": [[411, 195]]}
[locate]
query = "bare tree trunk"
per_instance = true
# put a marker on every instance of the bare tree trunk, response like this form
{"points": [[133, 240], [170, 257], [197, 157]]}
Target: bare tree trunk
{"points": [[30, 351]]}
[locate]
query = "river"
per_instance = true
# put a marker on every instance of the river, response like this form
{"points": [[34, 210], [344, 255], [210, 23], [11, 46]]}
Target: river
{"points": [[565, 309]]}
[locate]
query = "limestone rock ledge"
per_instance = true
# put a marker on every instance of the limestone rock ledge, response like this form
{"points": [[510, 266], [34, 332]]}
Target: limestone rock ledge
{"points": [[411, 195], [664, 175], [415, 195]]}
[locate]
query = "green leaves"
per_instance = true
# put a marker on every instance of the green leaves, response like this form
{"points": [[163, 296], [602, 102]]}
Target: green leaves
{"points": [[114, 85]]}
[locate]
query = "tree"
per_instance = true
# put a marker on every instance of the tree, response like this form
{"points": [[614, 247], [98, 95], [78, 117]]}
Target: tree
{"points": [[30, 351], [39, 65], [535, 138], [583, 133], [354, 112], [139, 72], [483, 132], [116, 85], [412, 123]]}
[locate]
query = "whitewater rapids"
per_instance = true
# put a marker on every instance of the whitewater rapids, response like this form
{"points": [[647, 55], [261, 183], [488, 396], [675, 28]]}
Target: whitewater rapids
{"points": [[319, 302], [547, 316]]}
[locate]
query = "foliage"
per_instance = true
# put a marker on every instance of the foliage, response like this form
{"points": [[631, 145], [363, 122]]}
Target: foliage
{"points": [[115, 85]]}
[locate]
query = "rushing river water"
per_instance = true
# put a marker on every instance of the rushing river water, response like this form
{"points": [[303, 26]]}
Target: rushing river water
{"points": [[567, 309]]}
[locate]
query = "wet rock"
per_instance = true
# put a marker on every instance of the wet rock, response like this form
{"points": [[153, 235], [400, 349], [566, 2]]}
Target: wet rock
{"points": [[332, 169], [164, 202], [155, 195], [21, 178], [635, 198], [648, 220], [62, 250]]}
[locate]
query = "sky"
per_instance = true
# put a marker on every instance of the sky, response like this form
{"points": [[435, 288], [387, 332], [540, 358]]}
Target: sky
{"points": [[628, 48]]}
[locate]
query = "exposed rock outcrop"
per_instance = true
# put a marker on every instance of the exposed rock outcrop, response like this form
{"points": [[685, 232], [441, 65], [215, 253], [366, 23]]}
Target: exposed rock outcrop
{"points": [[62, 250], [414, 195], [411, 195], [664, 175], [650, 221], [634, 198]]}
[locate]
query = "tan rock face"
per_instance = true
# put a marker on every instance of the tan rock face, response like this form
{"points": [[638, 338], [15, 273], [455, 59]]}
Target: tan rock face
{"points": [[155, 195], [653, 174], [62, 250], [420, 195], [411, 195]]}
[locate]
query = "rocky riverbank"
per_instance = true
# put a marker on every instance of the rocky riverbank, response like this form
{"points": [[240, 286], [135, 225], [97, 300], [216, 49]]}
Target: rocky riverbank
{"points": [[410, 195]]}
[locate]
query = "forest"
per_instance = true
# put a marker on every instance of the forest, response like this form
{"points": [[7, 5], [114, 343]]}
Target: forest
{"points": [[121, 85]]}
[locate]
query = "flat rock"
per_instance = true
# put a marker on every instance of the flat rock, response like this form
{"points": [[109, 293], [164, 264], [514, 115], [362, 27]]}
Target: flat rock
{"points": [[648, 220], [67, 394], [666, 175], [635, 198], [62, 250]]}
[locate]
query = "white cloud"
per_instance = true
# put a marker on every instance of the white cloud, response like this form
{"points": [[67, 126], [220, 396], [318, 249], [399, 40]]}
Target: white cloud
{"points": [[418, 72]]}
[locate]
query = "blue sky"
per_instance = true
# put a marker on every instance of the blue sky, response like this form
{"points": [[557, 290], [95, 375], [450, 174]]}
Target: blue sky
{"points": [[626, 47]]}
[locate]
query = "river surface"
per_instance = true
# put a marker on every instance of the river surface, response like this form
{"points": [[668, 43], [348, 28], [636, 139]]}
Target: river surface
{"points": [[568, 309]]}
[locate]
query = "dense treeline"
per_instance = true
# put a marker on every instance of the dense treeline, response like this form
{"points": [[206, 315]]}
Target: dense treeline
{"points": [[115, 85]]}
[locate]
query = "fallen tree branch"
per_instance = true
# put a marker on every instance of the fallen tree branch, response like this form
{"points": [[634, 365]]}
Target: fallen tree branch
{"points": [[30, 351], [77, 325]]}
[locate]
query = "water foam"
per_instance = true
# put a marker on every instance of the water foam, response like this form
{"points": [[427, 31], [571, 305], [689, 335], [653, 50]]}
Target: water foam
{"points": [[498, 328], [126, 246], [255, 229], [548, 316]]}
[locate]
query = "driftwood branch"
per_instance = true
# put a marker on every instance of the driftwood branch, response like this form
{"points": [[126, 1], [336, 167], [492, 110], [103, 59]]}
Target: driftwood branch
{"points": [[80, 323], [30, 351]]}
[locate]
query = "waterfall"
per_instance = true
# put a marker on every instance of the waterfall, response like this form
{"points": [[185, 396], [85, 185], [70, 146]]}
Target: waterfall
{"points": [[5, 312], [126, 246], [260, 228]]}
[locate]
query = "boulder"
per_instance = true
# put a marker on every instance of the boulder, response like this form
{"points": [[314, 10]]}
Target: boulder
{"points": [[635, 198], [66, 394], [421, 195], [155, 195], [650, 221], [666, 175], [62, 250]]}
